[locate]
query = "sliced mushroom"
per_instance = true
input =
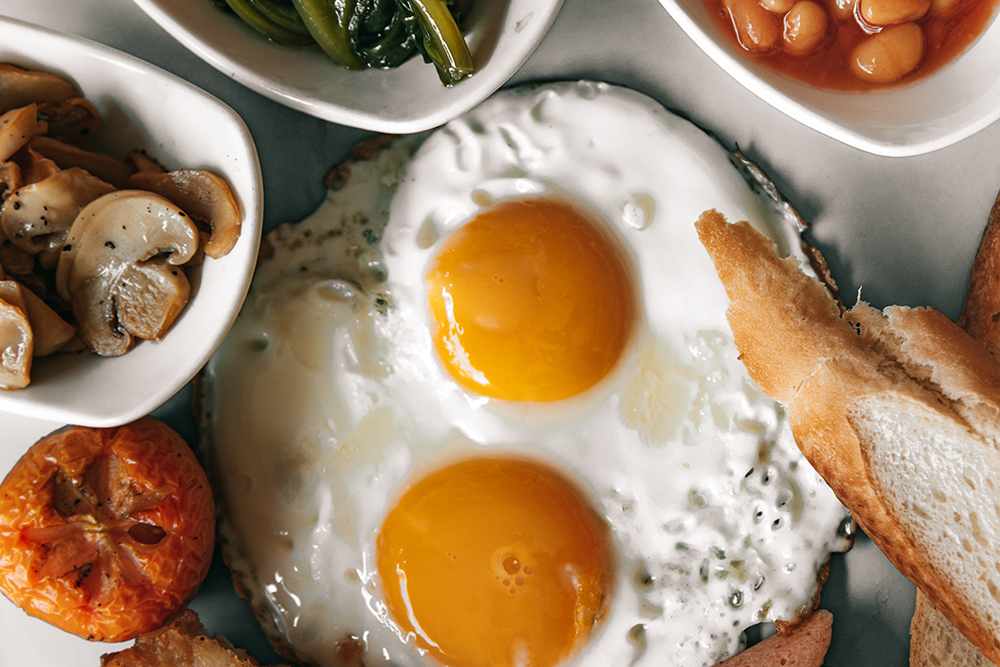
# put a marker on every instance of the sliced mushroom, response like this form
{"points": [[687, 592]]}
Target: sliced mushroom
{"points": [[34, 166], [205, 197], [49, 331], [14, 260], [37, 217], [71, 247], [125, 279], [106, 168], [143, 162], [19, 87], [17, 127], [16, 347], [10, 178], [71, 120]]}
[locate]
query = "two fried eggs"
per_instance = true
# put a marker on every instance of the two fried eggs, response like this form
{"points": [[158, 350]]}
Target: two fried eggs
{"points": [[483, 407]]}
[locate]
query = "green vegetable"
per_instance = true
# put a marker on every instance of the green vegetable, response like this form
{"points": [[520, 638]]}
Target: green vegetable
{"points": [[442, 42], [257, 20], [368, 33], [282, 13], [327, 22]]}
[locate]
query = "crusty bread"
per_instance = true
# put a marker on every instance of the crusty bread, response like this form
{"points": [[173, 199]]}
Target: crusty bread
{"points": [[801, 645], [982, 302], [182, 642], [934, 642], [858, 385]]}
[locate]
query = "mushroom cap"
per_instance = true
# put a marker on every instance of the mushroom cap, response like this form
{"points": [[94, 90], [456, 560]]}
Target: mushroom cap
{"points": [[125, 279], [205, 197], [16, 347], [38, 216], [20, 87], [71, 246]]}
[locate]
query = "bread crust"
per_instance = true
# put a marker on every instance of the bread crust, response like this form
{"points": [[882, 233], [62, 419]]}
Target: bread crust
{"points": [[934, 642], [981, 314], [801, 352]]}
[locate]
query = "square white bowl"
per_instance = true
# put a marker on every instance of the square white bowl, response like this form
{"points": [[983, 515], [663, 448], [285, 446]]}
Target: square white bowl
{"points": [[935, 112], [181, 126], [409, 98]]}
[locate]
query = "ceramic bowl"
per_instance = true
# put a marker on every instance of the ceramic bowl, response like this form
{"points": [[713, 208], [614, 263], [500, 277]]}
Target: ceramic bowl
{"points": [[409, 98], [935, 112], [181, 126]]}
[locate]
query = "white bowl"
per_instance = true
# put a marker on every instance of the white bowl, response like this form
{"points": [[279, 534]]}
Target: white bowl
{"points": [[181, 126], [409, 98], [949, 106]]}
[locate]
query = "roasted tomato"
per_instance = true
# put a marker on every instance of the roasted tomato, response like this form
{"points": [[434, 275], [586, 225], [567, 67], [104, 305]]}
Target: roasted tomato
{"points": [[105, 532]]}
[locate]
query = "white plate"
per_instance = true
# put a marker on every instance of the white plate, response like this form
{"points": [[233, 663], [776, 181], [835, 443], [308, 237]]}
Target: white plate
{"points": [[933, 113], [181, 126], [409, 98]]}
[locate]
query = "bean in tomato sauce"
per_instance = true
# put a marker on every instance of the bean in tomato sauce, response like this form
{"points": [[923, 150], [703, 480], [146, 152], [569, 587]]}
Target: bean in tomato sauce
{"points": [[852, 45]]}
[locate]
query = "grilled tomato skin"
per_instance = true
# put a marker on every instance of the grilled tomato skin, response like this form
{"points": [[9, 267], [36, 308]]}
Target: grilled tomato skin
{"points": [[105, 532]]}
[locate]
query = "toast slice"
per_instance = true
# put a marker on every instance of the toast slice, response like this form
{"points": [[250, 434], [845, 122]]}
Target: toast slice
{"points": [[886, 406]]}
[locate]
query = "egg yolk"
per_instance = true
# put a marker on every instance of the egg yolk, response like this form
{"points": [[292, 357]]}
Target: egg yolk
{"points": [[493, 562], [532, 300]]}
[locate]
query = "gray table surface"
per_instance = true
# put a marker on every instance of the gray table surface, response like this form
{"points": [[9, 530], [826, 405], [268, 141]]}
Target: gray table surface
{"points": [[902, 230]]}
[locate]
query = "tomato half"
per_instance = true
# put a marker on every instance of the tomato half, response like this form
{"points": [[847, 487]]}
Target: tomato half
{"points": [[106, 532]]}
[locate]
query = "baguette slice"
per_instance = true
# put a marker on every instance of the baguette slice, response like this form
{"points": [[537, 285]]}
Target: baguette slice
{"points": [[934, 642], [885, 406]]}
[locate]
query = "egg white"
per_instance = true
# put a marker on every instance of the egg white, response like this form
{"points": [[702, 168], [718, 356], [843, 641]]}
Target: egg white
{"points": [[327, 398]]}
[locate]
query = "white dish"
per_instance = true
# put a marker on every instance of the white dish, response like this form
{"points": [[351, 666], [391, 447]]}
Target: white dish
{"points": [[409, 98], [181, 126], [930, 114]]}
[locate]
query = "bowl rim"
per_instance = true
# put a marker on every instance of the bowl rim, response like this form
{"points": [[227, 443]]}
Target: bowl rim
{"points": [[250, 199], [803, 114], [468, 93]]}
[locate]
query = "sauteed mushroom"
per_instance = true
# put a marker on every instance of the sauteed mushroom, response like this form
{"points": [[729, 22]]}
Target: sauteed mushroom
{"points": [[16, 346], [49, 331], [19, 87], [37, 217], [17, 127], [70, 120], [124, 278], [204, 196], [106, 168]]}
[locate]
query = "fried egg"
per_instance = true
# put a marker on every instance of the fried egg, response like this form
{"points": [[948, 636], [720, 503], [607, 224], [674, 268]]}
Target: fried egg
{"points": [[483, 407]]}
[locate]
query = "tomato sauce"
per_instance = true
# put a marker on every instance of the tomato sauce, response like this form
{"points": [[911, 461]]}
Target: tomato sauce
{"points": [[830, 65]]}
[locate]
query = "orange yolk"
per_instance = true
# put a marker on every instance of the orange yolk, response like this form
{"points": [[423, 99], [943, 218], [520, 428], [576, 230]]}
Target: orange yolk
{"points": [[493, 562], [531, 300]]}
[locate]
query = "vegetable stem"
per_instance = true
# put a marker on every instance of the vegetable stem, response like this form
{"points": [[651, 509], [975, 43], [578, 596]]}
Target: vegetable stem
{"points": [[444, 42], [259, 22], [327, 21]]}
